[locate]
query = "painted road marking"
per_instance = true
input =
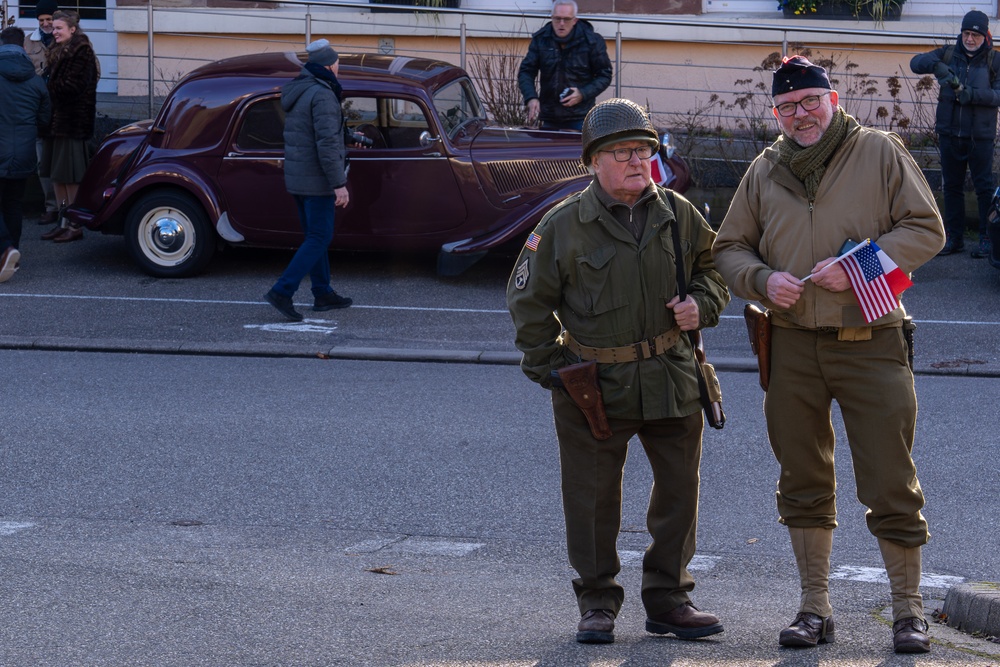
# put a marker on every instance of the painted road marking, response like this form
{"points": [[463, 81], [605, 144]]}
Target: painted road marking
{"points": [[877, 575], [356, 306], [11, 527], [415, 546], [701, 563], [305, 326]]}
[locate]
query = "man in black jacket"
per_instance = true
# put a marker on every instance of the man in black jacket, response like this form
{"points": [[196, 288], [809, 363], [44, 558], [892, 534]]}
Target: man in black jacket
{"points": [[572, 65], [966, 124]]}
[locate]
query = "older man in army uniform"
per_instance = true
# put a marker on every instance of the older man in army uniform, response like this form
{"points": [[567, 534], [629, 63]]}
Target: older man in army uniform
{"points": [[597, 281]]}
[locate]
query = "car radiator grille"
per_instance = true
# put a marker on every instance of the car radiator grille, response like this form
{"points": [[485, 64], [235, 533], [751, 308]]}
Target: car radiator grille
{"points": [[514, 175]]}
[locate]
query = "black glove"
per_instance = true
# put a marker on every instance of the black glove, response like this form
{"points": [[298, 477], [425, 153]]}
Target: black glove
{"points": [[945, 76], [964, 96]]}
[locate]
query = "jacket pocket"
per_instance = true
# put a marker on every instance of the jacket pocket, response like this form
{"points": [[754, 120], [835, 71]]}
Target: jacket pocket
{"points": [[596, 296]]}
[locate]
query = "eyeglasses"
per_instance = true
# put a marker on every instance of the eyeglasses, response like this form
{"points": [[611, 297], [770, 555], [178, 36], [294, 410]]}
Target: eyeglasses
{"points": [[810, 103], [625, 154], [973, 35], [563, 19]]}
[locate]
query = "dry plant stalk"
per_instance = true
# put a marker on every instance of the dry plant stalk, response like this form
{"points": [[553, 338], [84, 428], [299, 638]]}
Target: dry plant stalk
{"points": [[496, 78]]}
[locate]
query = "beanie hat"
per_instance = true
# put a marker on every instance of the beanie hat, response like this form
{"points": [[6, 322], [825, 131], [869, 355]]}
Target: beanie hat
{"points": [[46, 7], [976, 21], [321, 53], [797, 73]]}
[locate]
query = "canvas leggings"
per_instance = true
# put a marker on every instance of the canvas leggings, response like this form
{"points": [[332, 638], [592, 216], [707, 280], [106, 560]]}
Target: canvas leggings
{"points": [[592, 502], [873, 385]]}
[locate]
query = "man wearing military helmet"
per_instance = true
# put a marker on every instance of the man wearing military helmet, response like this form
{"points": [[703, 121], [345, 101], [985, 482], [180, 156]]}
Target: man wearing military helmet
{"points": [[596, 282]]}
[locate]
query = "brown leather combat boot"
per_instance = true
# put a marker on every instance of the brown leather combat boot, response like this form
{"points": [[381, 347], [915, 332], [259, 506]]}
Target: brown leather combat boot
{"points": [[597, 626], [808, 630], [684, 621]]}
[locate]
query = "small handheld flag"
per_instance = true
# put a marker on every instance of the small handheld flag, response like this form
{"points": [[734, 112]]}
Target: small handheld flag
{"points": [[876, 280]]}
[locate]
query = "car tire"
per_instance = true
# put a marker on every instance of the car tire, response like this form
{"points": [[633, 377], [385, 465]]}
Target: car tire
{"points": [[168, 234]]}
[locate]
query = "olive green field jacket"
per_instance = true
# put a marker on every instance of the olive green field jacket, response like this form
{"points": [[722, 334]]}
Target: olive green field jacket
{"points": [[589, 276]]}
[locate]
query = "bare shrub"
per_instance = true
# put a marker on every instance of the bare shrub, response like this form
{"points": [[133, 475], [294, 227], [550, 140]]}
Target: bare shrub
{"points": [[495, 73]]}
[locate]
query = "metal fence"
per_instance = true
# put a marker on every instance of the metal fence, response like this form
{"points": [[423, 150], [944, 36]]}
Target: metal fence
{"points": [[728, 121]]}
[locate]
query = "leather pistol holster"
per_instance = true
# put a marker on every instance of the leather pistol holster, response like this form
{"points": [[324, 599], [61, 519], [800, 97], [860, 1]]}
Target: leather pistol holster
{"points": [[581, 383], [759, 329]]}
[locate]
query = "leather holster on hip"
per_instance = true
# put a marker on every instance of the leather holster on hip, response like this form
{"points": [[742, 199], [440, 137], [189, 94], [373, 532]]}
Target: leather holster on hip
{"points": [[759, 330], [581, 383]]}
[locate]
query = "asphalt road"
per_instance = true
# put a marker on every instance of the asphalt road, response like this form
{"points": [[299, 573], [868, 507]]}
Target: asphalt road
{"points": [[89, 295], [207, 510], [224, 495]]}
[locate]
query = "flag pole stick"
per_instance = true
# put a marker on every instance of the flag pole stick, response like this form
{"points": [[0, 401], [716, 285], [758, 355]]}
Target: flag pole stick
{"points": [[842, 257]]}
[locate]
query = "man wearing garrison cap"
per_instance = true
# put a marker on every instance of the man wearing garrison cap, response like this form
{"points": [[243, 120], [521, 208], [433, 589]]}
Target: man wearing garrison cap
{"points": [[37, 45], [966, 124], [827, 180]]}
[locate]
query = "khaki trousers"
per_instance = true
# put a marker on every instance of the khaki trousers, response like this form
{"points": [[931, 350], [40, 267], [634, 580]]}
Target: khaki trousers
{"points": [[592, 502], [873, 386]]}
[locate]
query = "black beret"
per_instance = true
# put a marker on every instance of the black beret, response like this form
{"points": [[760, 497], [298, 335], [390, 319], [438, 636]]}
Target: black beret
{"points": [[797, 73], [43, 7]]}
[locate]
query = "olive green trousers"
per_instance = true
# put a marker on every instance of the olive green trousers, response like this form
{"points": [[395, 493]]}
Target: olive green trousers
{"points": [[592, 502], [873, 386]]}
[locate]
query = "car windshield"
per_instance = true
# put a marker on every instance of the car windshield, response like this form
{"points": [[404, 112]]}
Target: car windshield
{"points": [[457, 103]]}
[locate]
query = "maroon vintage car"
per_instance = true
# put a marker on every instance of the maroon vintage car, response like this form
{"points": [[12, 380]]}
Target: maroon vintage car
{"points": [[208, 170]]}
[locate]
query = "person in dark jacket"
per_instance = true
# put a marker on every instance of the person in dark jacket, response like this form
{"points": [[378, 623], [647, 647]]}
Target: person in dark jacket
{"points": [[571, 63], [315, 174], [72, 84], [37, 45], [966, 124], [25, 107]]}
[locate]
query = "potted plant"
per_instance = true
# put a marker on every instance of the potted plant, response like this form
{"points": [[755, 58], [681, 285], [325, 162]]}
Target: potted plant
{"points": [[878, 11], [453, 4]]}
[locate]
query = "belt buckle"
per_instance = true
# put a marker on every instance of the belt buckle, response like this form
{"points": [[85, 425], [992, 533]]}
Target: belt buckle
{"points": [[644, 349]]}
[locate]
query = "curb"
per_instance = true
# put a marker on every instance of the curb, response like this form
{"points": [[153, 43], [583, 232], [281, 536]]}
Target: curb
{"points": [[973, 608]]}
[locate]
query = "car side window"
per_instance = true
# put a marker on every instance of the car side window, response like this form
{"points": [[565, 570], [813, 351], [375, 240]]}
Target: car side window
{"points": [[263, 126], [391, 123]]}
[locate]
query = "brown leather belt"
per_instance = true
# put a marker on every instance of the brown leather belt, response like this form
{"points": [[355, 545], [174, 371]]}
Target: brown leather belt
{"points": [[644, 349]]}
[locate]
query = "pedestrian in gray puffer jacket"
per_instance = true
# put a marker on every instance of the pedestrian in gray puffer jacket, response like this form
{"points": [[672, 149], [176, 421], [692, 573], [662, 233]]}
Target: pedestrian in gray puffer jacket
{"points": [[24, 106], [315, 175]]}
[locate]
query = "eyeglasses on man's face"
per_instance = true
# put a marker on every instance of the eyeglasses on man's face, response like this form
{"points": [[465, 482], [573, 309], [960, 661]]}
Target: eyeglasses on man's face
{"points": [[810, 103], [563, 19], [625, 154]]}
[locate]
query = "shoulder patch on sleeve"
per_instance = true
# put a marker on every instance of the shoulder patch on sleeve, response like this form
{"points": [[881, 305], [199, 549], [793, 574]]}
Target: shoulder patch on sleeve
{"points": [[532, 242], [521, 275]]}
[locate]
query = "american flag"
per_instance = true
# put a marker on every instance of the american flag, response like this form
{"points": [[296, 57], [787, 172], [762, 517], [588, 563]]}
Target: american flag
{"points": [[532, 242], [876, 280]]}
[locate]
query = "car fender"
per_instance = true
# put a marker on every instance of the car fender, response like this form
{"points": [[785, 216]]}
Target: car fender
{"points": [[514, 227], [184, 177]]}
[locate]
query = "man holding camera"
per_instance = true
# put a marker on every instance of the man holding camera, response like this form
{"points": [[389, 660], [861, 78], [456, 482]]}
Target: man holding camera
{"points": [[571, 62], [315, 174], [966, 125]]}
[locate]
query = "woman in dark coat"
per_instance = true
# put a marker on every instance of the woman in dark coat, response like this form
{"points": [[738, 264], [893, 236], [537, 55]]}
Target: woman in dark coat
{"points": [[72, 85]]}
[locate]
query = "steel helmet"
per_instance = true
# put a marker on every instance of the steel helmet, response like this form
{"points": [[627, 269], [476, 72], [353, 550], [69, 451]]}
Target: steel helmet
{"points": [[616, 120]]}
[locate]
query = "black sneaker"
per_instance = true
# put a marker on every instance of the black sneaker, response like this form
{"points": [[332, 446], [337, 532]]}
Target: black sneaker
{"points": [[951, 246], [984, 249], [284, 305], [330, 301]]}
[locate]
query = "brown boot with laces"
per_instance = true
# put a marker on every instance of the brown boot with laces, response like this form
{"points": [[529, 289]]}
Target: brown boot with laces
{"points": [[909, 635], [808, 630], [597, 626]]}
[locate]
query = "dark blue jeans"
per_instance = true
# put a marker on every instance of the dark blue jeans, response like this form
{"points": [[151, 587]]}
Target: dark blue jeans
{"points": [[11, 211], [312, 258], [957, 155]]}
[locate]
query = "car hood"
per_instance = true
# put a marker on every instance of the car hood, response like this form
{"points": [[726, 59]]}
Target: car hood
{"points": [[515, 165]]}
